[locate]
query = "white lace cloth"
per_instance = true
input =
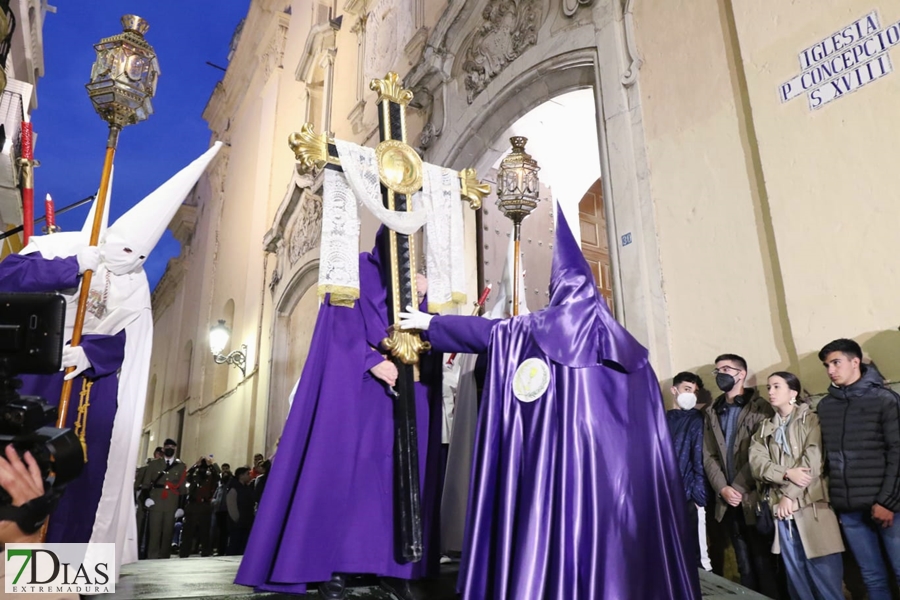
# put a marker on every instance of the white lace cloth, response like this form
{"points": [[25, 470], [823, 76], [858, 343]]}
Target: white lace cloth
{"points": [[437, 206], [444, 244]]}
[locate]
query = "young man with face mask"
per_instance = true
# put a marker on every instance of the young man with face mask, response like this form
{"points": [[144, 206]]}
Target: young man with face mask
{"points": [[686, 426], [731, 420]]}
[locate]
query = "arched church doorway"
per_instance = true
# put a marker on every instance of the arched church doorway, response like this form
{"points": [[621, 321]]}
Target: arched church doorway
{"points": [[594, 239], [562, 137], [294, 325]]}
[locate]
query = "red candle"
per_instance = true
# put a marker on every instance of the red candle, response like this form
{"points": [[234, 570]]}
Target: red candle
{"points": [[50, 213], [27, 180], [478, 305]]}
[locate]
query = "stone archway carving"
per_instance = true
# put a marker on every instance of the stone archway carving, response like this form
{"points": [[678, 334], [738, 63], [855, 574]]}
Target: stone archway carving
{"points": [[590, 51]]}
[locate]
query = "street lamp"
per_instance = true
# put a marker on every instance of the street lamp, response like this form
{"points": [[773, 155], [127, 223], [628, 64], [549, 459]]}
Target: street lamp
{"points": [[218, 339], [518, 193]]}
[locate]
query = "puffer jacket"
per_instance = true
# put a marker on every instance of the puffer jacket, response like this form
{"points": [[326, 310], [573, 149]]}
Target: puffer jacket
{"points": [[686, 427], [861, 434], [816, 522]]}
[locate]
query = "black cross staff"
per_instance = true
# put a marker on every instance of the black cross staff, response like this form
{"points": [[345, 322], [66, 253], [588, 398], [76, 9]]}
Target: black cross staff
{"points": [[317, 151]]}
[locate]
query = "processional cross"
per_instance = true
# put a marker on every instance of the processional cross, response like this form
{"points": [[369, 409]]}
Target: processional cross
{"points": [[400, 172]]}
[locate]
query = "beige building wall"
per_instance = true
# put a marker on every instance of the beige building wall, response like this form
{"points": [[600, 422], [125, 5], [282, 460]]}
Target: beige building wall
{"points": [[756, 226], [774, 218]]}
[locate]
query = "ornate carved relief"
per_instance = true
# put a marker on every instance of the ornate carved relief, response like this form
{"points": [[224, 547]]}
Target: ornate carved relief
{"points": [[388, 29], [307, 228], [571, 6], [509, 29], [631, 72], [434, 117], [272, 57]]}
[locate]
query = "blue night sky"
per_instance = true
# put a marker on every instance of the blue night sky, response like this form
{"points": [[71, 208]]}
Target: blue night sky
{"points": [[71, 138]]}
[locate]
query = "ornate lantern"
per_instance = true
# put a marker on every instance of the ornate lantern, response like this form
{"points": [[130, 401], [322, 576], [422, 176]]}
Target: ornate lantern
{"points": [[124, 76], [518, 193], [518, 189]]}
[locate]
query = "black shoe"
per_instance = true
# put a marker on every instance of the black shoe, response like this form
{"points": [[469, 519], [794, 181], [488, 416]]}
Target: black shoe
{"points": [[400, 588], [335, 588]]}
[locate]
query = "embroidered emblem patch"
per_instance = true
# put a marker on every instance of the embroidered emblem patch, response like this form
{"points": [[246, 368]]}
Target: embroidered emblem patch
{"points": [[531, 380]]}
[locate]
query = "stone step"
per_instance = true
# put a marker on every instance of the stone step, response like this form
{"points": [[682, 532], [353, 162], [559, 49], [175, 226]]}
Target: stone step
{"points": [[212, 579]]}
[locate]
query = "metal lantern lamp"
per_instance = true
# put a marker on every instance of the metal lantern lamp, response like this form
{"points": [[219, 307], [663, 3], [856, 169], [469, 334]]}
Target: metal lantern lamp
{"points": [[123, 80], [518, 193], [219, 335]]}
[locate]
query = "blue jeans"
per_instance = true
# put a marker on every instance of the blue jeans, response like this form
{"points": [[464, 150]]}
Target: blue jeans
{"points": [[809, 578], [862, 536]]}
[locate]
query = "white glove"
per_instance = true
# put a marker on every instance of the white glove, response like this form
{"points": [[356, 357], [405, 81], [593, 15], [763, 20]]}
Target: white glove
{"points": [[88, 259], [179, 513], [414, 319], [149, 502], [74, 356]]}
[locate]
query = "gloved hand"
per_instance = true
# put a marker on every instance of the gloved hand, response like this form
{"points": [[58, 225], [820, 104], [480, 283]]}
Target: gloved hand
{"points": [[88, 259], [179, 513], [414, 319], [149, 502], [74, 356]]}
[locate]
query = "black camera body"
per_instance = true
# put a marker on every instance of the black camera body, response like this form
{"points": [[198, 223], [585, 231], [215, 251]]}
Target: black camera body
{"points": [[31, 341]]}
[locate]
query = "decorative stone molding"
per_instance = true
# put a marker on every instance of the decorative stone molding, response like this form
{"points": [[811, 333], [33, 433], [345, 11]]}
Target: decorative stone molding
{"points": [[416, 46], [276, 279], [356, 117], [510, 27], [306, 231], [184, 223], [271, 59], [218, 171], [300, 186], [570, 7], [631, 72], [355, 7], [169, 284], [434, 117]]}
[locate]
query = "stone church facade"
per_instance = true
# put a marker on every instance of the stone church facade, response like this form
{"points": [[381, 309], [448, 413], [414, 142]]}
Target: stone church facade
{"points": [[730, 213]]}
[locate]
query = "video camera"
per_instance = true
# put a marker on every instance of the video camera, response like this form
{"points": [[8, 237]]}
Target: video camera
{"points": [[31, 342]]}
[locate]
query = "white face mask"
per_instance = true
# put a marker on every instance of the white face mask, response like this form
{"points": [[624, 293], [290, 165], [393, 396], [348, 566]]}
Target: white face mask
{"points": [[686, 400]]}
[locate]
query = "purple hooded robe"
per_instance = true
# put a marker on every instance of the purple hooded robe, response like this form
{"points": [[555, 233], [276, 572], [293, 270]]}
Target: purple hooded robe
{"points": [[575, 493], [328, 505], [73, 519]]}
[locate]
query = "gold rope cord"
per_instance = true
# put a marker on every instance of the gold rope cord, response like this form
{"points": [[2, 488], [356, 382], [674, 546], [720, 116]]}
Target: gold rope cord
{"points": [[84, 402]]}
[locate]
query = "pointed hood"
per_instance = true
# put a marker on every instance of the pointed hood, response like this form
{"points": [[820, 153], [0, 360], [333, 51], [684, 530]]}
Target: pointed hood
{"points": [[138, 230], [577, 329], [502, 308]]}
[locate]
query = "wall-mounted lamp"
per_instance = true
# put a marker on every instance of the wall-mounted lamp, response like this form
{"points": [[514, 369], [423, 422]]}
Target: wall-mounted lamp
{"points": [[218, 339]]}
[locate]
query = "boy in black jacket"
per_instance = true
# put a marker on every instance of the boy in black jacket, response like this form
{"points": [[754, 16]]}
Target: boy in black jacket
{"points": [[860, 424]]}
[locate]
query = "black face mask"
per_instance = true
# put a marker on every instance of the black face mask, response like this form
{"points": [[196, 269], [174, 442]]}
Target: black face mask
{"points": [[169, 452], [725, 382]]}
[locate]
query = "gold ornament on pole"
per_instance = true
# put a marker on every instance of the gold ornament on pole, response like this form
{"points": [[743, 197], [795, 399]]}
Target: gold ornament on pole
{"points": [[518, 193], [123, 80]]}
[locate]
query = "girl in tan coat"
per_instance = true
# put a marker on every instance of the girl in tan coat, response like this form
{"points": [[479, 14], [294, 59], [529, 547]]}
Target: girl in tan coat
{"points": [[786, 458]]}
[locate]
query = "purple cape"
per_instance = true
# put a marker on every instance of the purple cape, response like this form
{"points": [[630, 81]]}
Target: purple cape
{"points": [[576, 493], [328, 505], [73, 519]]}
